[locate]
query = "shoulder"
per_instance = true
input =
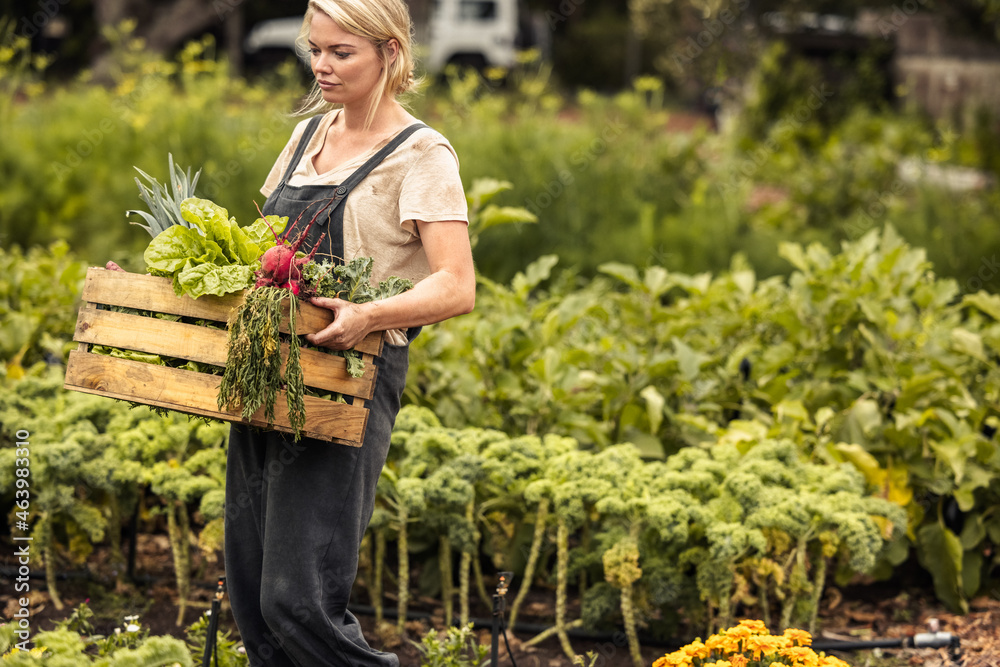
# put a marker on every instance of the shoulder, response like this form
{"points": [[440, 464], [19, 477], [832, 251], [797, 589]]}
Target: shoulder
{"points": [[428, 143]]}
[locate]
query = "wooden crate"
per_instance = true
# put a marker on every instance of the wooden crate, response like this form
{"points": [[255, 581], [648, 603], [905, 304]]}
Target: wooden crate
{"points": [[196, 393]]}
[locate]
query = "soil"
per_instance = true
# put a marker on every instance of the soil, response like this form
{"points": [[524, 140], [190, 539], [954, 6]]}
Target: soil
{"points": [[859, 613]]}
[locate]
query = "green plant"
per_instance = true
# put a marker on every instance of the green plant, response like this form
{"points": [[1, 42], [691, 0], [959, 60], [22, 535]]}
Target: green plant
{"points": [[39, 292], [864, 356], [72, 642], [455, 647], [226, 653], [164, 202]]}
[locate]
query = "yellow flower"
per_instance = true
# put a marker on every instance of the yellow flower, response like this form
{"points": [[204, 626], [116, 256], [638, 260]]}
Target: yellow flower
{"points": [[830, 661], [755, 626], [675, 659], [800, 655], [758, 645], [696, 649], [800, 637], [723, 643], [750, 643]]}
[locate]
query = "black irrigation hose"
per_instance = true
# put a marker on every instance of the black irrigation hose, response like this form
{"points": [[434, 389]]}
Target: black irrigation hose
{"points": [[922, 640]]}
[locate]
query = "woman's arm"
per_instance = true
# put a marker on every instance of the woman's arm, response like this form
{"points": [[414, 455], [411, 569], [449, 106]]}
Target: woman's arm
{"points": [[449, 290]]}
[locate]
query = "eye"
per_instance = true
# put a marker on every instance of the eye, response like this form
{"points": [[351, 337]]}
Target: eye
{"points": [[342, 54]]}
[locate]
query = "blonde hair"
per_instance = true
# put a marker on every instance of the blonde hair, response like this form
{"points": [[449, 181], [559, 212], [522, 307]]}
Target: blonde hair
{"points": [[378, 21]]}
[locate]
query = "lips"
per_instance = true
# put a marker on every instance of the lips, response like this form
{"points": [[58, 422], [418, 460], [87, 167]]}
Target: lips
{"points": [[326, 85]]}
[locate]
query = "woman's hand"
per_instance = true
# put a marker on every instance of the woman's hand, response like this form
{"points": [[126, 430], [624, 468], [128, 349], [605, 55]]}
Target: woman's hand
{"points": [[449, 290], [350, 324]]}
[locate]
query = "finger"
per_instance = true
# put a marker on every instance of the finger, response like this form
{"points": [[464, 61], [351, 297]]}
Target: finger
{"points": [[328, 342], [325, 302], [328, 337]]}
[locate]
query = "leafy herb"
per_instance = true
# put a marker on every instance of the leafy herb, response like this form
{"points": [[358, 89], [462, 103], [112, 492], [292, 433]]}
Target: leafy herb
{"points": [[352, 281], [253, 366], [165, 202]]}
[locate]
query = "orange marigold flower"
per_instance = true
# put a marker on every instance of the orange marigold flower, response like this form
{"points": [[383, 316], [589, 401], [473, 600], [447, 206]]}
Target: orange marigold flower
{"points": [[722, 643], [800, 637], [696, 649], [675, 659], [738, 661], [762, 644], [831, 661], [800, 655], [755, 626]]}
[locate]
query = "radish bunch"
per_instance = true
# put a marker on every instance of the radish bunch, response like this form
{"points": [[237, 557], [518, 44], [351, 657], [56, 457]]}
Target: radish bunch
{"points": [[281, 266]]}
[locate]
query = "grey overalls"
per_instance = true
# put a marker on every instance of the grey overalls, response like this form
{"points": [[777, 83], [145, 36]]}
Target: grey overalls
{"points": [[296, 511]]}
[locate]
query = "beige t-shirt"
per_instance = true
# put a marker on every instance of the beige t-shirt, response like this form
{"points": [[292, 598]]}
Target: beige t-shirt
{"points": [[417, 181]]}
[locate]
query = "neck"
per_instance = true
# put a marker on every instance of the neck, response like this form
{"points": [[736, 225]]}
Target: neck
{"points": [[387, 115]]}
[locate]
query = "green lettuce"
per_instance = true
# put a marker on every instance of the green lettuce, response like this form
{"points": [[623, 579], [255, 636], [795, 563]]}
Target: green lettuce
{"points": [[213, 256], [196, 279]]}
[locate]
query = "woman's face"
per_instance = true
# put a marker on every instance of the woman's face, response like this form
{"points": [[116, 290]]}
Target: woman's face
{"points": [[347, 67]]}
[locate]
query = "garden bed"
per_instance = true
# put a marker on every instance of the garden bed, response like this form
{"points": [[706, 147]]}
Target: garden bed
{"points": [[862, 612]]}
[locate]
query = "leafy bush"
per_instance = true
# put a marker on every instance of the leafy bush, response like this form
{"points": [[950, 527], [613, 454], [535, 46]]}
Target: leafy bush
{"points": [[455, 647], [865, 356], [95, 135], [92, 461], [606, 179], [39, 292], [74, 641], [742, 523]]}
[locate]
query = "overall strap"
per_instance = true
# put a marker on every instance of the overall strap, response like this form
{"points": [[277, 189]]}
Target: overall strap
{"points": [[301, 148], [359, 174]]}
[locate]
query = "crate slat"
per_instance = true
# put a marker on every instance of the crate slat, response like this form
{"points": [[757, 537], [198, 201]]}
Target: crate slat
{"points": [[196, 393], [144, 292], [206, 345]]}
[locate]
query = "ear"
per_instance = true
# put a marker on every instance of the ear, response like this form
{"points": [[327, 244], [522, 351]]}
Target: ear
{"points": [[391, 51]]}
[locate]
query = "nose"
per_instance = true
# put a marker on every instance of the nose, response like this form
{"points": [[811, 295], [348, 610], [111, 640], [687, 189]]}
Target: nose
{"points": [[321, 63]]}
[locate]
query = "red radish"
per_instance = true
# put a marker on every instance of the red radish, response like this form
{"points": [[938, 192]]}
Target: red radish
{"points": [[279, 267]]}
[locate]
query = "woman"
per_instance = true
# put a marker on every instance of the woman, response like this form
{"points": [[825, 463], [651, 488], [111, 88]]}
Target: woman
{"points": [[386, 187]]}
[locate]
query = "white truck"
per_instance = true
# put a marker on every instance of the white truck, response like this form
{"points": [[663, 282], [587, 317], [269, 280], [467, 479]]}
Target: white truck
{"points": [[475, 33]]}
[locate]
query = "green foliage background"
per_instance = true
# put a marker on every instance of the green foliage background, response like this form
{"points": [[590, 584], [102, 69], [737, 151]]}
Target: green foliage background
{"points": [[774, 287]]}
